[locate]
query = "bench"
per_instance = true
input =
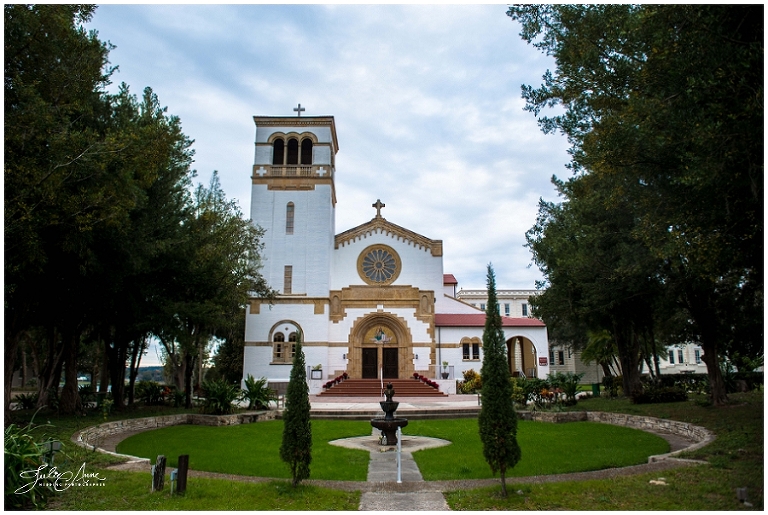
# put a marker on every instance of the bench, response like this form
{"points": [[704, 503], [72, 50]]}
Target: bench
{"points": [[279, 390]]}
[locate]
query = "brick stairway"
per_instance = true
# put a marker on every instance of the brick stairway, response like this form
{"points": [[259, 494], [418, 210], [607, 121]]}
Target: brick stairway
{"points": [[372, 388]]}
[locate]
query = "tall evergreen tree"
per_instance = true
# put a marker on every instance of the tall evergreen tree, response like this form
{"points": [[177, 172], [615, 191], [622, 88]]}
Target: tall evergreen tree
{"points": [[498, 420], [296, 449]]}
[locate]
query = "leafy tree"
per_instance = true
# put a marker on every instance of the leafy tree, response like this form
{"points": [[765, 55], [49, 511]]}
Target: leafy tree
{"points": [[55, 189], [665, 103], [217, 271], [599, 275], [296, 448], [497, 418]]}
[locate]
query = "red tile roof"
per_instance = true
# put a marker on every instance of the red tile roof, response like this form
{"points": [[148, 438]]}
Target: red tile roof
{"points": [[449, 279], [478, 320]]}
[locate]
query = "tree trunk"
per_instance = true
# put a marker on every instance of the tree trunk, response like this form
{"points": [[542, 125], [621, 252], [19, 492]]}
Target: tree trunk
{"points": [[50, 372], [503, 484], [704, 316], [139, 345], [23, 365], [117, 357], [11, 347], [628, 348], [95, 367], [718, 393], [104, 379], [70, 398], [188, 367]]}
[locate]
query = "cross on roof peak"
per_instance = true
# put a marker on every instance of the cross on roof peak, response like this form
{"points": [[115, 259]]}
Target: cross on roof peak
{"points": [[378, 205], [299, 110]]}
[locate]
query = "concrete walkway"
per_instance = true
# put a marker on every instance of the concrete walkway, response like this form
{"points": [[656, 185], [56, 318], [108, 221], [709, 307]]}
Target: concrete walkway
{"points": [[382, 472]]}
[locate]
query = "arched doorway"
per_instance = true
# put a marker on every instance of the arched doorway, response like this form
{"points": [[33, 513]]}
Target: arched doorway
{"points": [[521, 357], [380, 346]]}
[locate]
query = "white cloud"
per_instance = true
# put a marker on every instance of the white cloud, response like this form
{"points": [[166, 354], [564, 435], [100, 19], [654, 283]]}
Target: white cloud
{"points": [[426, 101]]}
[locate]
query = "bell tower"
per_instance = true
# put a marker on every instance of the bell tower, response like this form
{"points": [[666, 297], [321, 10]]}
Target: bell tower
{"points": [[293, 198]]}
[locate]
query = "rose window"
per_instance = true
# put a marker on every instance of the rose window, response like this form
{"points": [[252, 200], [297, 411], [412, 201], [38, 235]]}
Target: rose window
{"points": [[379, 265]]}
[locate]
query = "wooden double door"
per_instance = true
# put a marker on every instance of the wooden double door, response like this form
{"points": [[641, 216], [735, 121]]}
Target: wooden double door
{"points": [[389, 362]]}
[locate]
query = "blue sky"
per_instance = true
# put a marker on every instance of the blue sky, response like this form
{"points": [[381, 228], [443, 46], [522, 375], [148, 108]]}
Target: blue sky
{"points": [[426, 101]]}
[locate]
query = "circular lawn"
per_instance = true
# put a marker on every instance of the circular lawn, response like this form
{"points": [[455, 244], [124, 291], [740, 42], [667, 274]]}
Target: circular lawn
{"points": [[254, 449]]}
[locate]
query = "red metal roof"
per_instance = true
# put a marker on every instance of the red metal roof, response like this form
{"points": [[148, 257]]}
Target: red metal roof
{"points": [[478, 320], [449, 279]]}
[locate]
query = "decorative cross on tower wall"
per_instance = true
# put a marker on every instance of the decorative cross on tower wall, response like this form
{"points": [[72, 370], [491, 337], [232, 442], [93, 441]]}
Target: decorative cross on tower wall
{"points": [[378, 205], [299, 110]]}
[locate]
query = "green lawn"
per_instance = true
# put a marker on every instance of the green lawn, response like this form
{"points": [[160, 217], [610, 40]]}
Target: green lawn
{"points": [[546, 448], [253, 449], [131, 491]]}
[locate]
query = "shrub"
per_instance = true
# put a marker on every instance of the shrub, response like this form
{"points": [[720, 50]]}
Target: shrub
{"points": [[22, 454], [473, 382], [518, 392], [219, 396], [257, 393], [178, 397], [26, 400], [86, 394], [151, 393], [568, 383], [653, 394], [536, 391], [612, 385]]}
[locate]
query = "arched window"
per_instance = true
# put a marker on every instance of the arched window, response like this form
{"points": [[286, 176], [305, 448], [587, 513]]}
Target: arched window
{"points": [[289, 218], [470, 349], [293, 152], [278, 349], [306, 151], [292, 337], [278, 150]]}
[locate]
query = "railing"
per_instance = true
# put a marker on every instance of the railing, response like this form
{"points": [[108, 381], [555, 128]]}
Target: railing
{"points": [[292, 171], [437, 371]]}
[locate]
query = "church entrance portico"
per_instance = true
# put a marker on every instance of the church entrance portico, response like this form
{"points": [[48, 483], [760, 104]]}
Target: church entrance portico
{"points": [[378, 348]]}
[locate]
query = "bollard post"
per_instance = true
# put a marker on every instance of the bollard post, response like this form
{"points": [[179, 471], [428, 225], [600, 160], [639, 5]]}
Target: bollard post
{"points": [[399, 450], [181, 487], [158, 476]]}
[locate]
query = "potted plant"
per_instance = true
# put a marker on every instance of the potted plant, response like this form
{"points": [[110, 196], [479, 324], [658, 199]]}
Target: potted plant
{"points": [[317, 371], [445, 370]]}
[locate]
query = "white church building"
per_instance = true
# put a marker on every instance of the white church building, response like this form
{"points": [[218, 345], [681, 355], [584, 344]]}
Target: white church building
{"points": [[372, 301]]}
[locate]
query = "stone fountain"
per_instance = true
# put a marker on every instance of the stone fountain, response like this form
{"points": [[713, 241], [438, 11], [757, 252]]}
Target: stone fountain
{"points": [[389, 424]]}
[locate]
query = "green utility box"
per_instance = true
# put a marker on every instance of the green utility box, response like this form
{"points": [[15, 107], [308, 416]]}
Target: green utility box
{"points": [[596, 389]]}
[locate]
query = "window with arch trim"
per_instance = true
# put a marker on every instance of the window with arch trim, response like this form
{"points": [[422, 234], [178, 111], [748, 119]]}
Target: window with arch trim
{"points": [[289, 210], [306, 151], [293, 152], [278, 152], [283, 352], [470, 349], [296, 152]]}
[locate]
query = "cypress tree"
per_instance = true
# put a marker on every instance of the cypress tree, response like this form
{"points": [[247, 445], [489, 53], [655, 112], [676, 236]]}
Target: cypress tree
{"points": [[296, 449], [498, 420]]}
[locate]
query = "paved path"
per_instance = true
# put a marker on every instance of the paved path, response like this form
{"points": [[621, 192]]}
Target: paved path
{"points": [[382, 477]]}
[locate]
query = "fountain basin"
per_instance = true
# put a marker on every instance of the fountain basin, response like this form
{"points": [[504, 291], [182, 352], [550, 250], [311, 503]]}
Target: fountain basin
{"points": [[389, 428]]}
